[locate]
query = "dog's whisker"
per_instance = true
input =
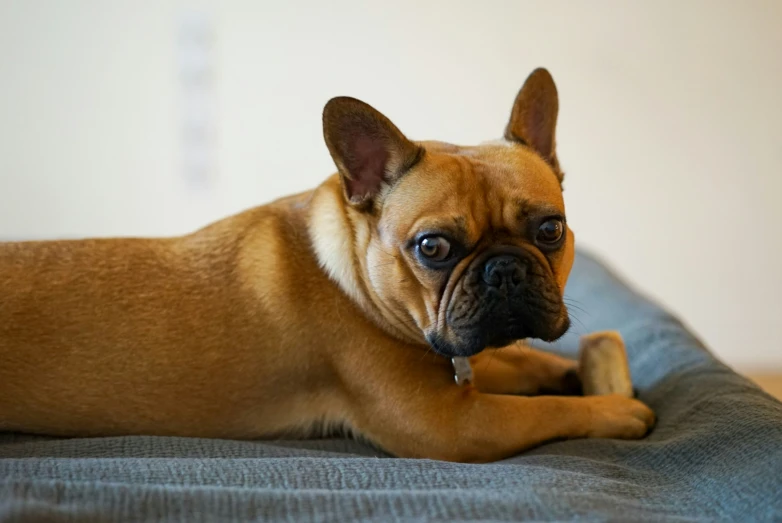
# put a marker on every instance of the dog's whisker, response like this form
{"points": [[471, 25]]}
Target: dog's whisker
{"points": [[575, 305], [579, 309], [580, 323]]}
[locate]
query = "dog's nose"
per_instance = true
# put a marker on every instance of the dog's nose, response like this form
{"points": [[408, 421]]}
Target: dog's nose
{"points": [[504, 270]]}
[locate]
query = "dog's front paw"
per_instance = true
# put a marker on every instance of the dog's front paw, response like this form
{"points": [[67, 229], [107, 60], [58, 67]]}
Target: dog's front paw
{"points": [[616, 416]]}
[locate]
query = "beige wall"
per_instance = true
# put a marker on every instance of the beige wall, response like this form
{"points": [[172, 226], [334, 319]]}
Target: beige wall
{"points": [[670, 127]]}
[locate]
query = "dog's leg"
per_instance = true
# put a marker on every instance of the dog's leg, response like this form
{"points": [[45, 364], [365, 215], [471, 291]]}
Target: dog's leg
{"points": [[519, 369], [441, 420]]}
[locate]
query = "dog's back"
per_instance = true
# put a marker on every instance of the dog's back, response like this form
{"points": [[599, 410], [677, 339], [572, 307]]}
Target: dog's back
{"points": [[122, 331]]}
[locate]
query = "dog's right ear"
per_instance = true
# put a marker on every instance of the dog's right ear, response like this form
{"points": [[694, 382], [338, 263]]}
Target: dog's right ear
{"points": [[367, 148]]}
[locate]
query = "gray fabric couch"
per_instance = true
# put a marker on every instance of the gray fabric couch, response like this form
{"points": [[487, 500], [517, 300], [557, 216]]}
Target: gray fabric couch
{"points": [[715, 454]]}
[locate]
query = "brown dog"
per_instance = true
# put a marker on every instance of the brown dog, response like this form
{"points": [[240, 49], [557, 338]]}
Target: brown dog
{"points": [[335, 308]]}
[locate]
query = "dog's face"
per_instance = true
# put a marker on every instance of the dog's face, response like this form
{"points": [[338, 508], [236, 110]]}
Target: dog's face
{"points": [[465, 247], [473, 243]]}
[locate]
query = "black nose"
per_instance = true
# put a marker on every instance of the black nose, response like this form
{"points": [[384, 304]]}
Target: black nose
{"points": [[504, 270]]}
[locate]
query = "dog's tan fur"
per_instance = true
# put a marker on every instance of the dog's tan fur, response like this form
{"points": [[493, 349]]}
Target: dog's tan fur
{"points": [[296, 317]]}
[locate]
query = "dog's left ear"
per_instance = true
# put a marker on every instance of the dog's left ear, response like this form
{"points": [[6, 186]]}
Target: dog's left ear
{"points": [[533, 120], [367, 148]]}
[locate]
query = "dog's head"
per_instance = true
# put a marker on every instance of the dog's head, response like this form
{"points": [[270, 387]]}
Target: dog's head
{"points": [[464, 247]]}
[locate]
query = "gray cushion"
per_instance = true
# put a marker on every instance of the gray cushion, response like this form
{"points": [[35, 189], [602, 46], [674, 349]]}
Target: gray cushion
{"points": [[715, 454]]}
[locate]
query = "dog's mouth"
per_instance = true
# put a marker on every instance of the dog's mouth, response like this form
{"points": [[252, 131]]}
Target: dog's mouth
{"points": [[469, 342], [501, 299], [506, 293]]}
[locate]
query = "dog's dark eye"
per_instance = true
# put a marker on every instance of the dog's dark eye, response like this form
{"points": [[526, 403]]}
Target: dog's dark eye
{"points": [[436, 248], [550, 231]]}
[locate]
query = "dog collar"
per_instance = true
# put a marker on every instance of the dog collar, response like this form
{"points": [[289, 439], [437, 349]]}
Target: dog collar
{"points": [[462, 371]]}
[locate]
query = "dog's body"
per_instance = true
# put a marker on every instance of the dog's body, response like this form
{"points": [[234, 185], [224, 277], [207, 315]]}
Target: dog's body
{"points": [[319, 310]]}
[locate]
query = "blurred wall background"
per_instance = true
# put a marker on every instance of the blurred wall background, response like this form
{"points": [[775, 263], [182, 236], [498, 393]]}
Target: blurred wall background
{"points": [[156, 117]]}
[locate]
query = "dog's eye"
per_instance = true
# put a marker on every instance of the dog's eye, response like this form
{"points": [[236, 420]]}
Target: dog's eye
{"points": [[550, 231], [435, 248]]}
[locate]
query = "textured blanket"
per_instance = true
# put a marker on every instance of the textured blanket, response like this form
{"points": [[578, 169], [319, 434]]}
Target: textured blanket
{"points": [[715, 454]]}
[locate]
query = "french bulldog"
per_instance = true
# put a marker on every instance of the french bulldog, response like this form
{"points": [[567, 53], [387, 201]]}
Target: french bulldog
{"points": [[337, 309]]}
